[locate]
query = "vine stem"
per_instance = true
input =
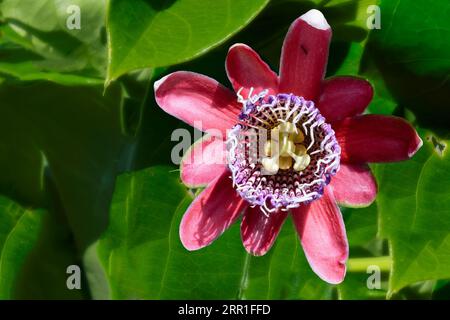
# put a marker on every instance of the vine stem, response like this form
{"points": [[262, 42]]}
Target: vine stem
{"points": [[243, 284], [361, 264]]}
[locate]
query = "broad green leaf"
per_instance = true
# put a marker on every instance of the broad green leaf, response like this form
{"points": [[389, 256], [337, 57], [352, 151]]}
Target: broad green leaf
{"points": [[75, 135], [21, 64], [35, 251], [79, 138], [78, 132], [45, 28], [19, 230], [147, 33], [417, 34], [414, 204], [144, 259], [361, 224], [410, 52]]}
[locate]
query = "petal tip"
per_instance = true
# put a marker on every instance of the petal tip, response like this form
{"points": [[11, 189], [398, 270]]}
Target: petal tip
{"points": [[418, 143], [186, 240], [188, 245], [189, 182], [316, 19], [337, 277], [238, 45], [159, 82], [256, 253], [354, 205], [332, 274]]}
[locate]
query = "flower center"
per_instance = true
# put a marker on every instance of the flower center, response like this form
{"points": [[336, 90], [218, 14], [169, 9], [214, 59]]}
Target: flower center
{"points": [[285, 149], [282, 153]]}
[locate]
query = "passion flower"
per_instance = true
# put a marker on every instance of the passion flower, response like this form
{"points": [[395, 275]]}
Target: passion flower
{"points": [[296, 143]]}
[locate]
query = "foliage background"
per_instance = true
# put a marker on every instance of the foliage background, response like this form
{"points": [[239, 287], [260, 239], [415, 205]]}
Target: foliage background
{"points": [[85, 171]]}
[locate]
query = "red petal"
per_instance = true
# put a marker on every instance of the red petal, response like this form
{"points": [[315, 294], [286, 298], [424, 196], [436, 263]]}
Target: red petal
{"points": [[211, 213], [376, 138], [246, 69], [203, 162], [322, 233], [354, 186], [343, 97], [197, 100], [304, 55], [259, 231]]}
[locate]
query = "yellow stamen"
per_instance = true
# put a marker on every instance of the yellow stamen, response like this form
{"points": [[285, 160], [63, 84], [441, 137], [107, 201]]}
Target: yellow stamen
{"points": [[268, 149], [285, 148], [285, 163], [287, 127], [301, 162], [271, 165], [300, 149], [299, 137], [275, 134]]}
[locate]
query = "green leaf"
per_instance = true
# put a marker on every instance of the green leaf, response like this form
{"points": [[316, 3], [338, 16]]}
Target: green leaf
{"points": [[144, 259], [41, 28], [74, 135], [75, 139], [19, 230], [152, 34], [361, 224], [415, 24], [414, 204], [410, 52], [35, 250], [19, 64]]}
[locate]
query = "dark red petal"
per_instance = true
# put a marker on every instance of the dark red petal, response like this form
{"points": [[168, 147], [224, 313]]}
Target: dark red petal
{"points": [[354, 186], [324, 240], [203, 162], [304, 55], [259, 231], [246, 69], [211, 213], [198, 100], [343, 97], [376, 138]]}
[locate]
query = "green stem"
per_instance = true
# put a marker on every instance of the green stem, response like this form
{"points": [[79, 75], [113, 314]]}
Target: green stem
{"points": [[361, 264], [244, 277]]}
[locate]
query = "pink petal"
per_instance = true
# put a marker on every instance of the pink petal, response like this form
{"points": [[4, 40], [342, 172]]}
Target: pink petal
{"points": [[203, 162], [322, 233], [354, 186], [304, 55], [246, 69], [259, 231], [197, 100], [343, 97], [211, 213], [376, 138]]}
